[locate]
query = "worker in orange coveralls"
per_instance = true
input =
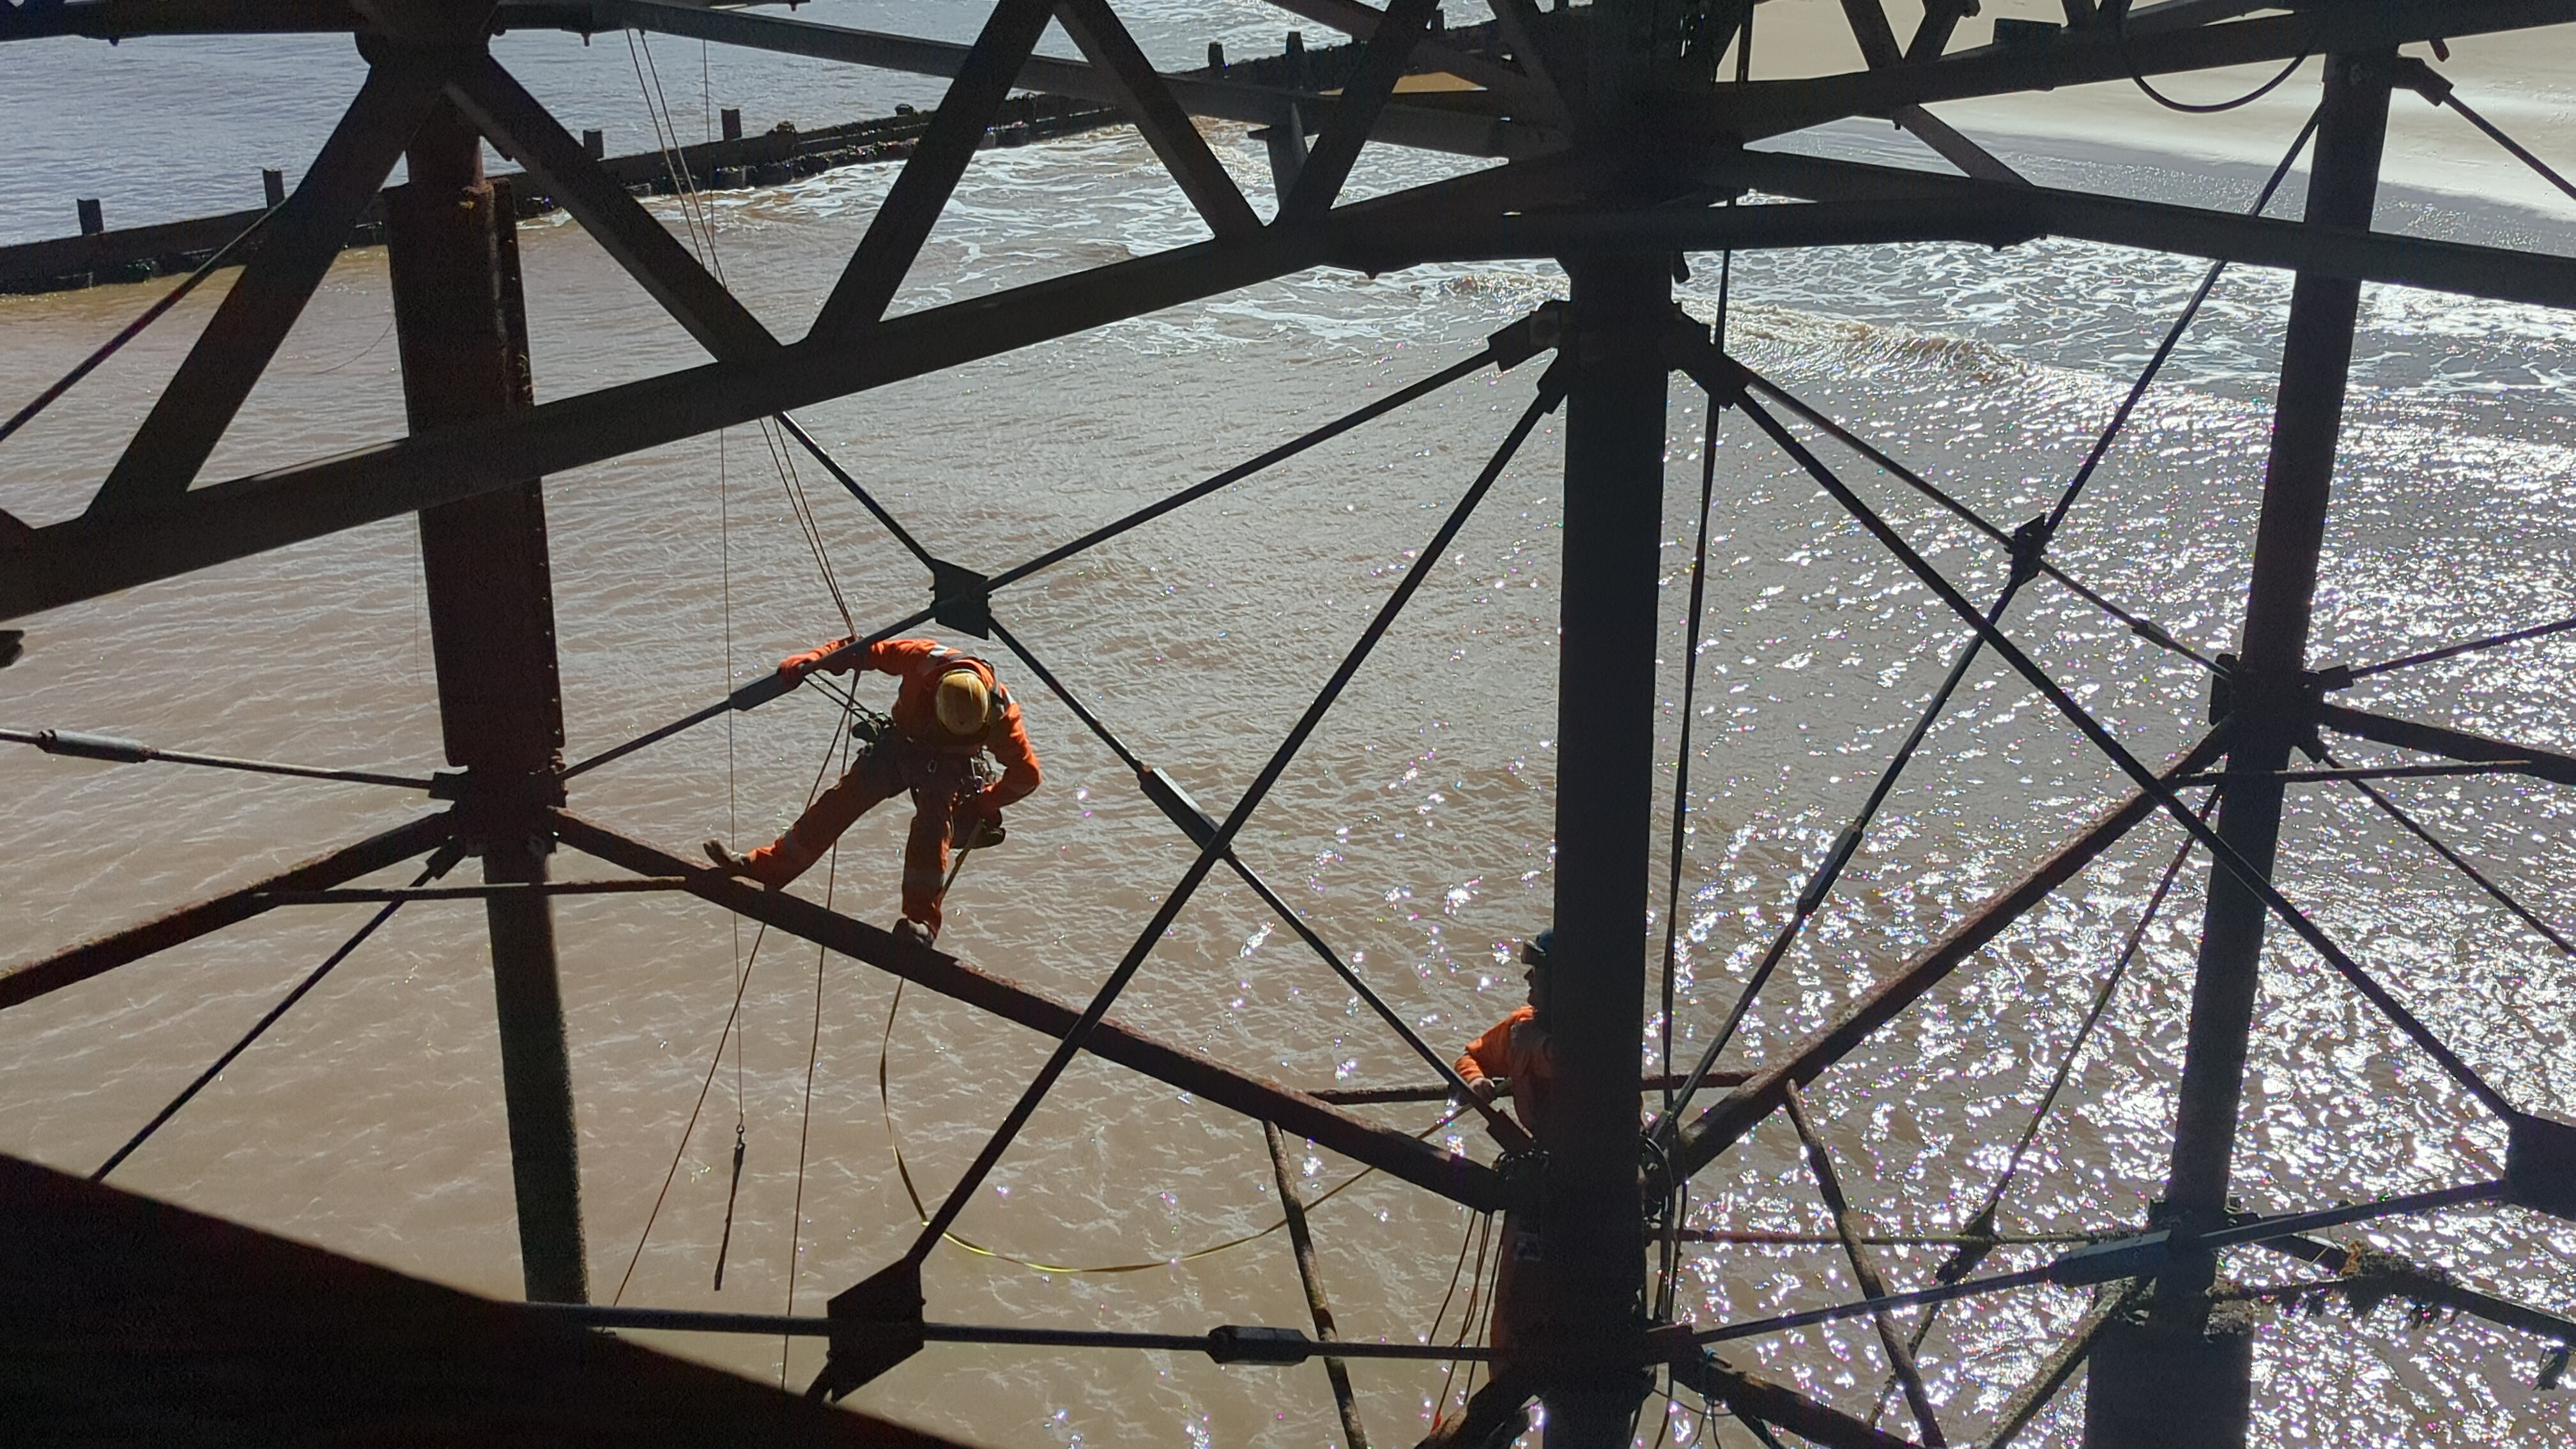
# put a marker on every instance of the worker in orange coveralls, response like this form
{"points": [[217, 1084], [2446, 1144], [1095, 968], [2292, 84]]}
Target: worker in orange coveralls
{"points": [[1514, 1050], [948, 713]]}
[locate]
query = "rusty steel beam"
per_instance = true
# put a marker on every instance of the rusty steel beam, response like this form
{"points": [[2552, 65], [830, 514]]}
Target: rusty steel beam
{"points": [[2059, 1366], [460, 326], [1395, 1153], [2351, 253], [1359, 22], [1301, 1243], [1734, 1115], [522, 129], [2429, 1285], [103, 954], [2447, 742], [1731, 114], [1425, 126], [1159, 118], [85, 557], [1872, 1284], [938, 161], [300, 243], [1346, 130], [1752, 1396]]}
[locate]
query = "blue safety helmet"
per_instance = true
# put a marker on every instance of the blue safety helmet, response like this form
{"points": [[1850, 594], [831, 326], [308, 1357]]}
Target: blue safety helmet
{"points": [[1534, 950]]}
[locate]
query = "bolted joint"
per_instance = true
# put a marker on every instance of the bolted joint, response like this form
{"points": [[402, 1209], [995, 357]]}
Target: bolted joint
{"points": [[961, 598], [1524, 1178], [2030, 549], [499, 814], [1541, 331]]}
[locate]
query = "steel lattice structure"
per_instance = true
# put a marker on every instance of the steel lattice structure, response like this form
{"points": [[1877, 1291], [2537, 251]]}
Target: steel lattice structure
{"points": [[1621, 143]]}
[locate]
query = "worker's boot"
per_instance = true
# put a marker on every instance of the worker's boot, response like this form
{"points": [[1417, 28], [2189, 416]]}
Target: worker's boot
{"points": [[909, 930], [732, 864]]}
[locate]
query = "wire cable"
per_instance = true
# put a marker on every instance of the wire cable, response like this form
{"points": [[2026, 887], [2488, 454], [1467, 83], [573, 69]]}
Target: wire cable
{"points": [[2452, 651], [1504, 1129], [2029, 559], [2255, 881], [1550, 391], [439, 864], [2462, 864], [762, 691], [134, 329], [715, 1059], [2120, 28]]}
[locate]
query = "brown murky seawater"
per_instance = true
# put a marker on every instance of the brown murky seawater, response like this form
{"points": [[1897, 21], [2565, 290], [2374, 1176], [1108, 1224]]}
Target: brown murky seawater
{"points": [[1414, 832]]}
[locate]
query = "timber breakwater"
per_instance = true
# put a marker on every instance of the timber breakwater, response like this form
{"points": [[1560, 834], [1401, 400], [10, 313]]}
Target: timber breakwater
{"points": [[99, 256]]}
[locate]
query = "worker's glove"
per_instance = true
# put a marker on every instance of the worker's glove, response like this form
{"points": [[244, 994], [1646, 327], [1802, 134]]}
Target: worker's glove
{"points": [[988, 831], [795, 667]]}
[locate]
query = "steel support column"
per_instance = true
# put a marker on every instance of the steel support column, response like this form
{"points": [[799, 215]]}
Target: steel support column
{"points": [[463, 336], [1592, 1231], [2178, 1377]]}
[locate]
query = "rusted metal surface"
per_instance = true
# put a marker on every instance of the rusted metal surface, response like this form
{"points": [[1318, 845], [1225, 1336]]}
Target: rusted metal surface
{"points": [[1301, 1242], [1873, 1284], [103, 954], [1725, 1123], [461, 328], [1396, 1153], [2269, 717], [1752, 1396]]}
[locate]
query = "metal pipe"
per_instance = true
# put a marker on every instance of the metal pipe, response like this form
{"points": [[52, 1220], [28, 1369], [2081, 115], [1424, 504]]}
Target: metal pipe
{"points": [[1229, 1343], [1585, 1347], [1302, 1243], [461, 327], [2271, 713]]}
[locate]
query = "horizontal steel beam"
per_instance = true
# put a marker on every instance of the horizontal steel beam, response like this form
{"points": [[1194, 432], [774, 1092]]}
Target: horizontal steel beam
{"points": [[1425, 127], [1396, 1153], [83, 558], [1398, 242], [2449, 743], [106, 953], [2093, 54], [2365, 256], [1739, 1111]]}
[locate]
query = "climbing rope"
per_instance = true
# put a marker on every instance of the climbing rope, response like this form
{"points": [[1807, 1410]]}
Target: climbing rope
{"points": [[715, 1059], [764, 690], [1550, 391], [1196, 826]]}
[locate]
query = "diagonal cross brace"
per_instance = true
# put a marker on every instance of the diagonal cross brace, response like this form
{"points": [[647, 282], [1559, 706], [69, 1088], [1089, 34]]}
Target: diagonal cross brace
{"points": [[252, 322], [921, 191], [1390, 46], [1731, 1117], [524, 130], [1166, 127], [1390, 1151], [105, 953]]}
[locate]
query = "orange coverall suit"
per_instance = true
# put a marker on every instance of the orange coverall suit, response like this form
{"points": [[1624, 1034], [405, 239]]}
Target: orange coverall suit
{"points": [[923, 757], [1515, 1048]]}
